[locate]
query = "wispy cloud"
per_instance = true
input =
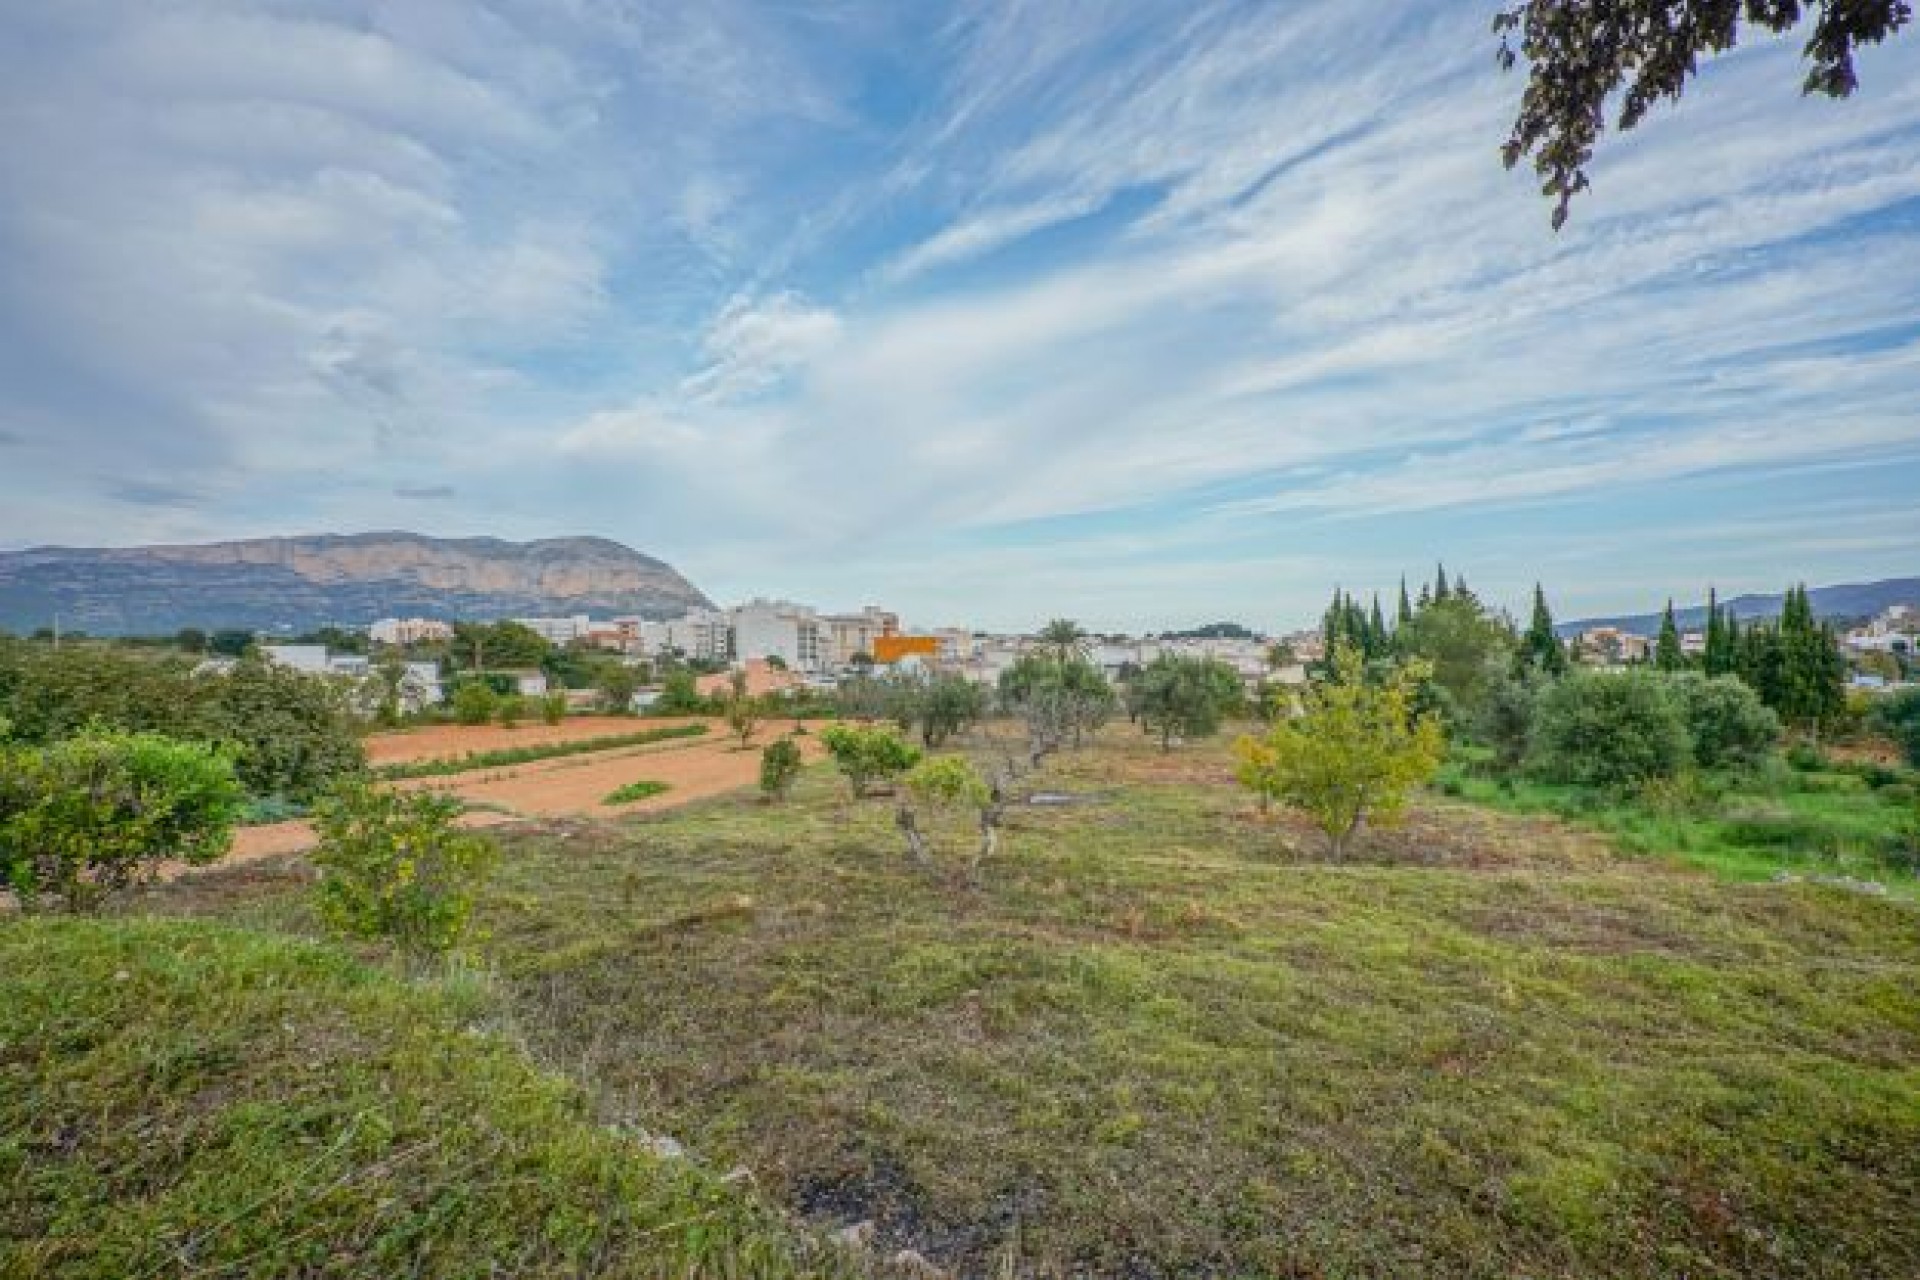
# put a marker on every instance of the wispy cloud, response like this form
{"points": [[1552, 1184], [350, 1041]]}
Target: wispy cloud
{"points": [[818, 299]]}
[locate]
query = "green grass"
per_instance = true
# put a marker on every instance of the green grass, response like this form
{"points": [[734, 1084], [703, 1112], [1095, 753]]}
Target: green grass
{"points": [[503, 756], [186, 1098], [645, 789], [1157, 1036], [1748, 826], [1162, 1038]]}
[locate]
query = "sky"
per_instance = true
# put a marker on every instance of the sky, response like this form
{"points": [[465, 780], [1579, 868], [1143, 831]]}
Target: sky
{"points": [[1142, 313]]}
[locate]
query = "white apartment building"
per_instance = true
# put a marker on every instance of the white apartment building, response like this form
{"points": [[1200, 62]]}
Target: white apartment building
{"points": [[780, 629], [704, 635], [559, 630], [406, 631]]}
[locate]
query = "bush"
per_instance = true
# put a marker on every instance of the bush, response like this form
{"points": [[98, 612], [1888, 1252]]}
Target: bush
{"points": [[867, 755], [1725, 719], [947, 785], [553, 708], [1899, 718], [1609, 730], [1506, 717], [509, 709], [293, 735], [779, 767], [88, 816], [474, 702], [394, 865]]}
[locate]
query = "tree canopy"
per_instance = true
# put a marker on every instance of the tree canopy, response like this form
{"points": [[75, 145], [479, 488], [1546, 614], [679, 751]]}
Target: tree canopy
{"points": [[1579, 55]]}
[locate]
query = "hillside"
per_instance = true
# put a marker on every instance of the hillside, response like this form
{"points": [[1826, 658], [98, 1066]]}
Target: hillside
{"points": [[1847, 600], [302, 582]]}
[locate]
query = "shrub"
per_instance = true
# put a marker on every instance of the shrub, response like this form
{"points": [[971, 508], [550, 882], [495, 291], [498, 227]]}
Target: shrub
{"points": [[553, 708], [474, 702], [1725, 719], [1899, 718], [509, 709], [1506, 717], [1609, 730], [90, 815], [867, 755], [292, 734], [644, 789], [617, 684], [779, 767], [393, 865]]}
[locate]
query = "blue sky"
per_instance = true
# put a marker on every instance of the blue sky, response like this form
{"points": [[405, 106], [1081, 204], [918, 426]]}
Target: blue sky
{"points": [[1145, 313]]}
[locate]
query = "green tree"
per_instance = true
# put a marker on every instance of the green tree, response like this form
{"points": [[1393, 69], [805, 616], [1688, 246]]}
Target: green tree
{"points": [[553, 707], [1666, 649], [779, 767], [1579, 55], [1899, 718], [866, 756], [617, 683], [948, 705], [394, 864], [741, 709], [190, 640], [293, 734], [1466, 647], [1540, 648], [1505, 721], [229, 643], [1352, 754], [1720, 656], [474, 702], [680, 695], [1180, 696], [1610, 729], [87, 816], [1064, 640], [946, 785]]}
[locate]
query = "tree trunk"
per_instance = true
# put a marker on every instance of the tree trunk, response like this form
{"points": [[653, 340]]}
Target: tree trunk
{"points": [[916, 843]]}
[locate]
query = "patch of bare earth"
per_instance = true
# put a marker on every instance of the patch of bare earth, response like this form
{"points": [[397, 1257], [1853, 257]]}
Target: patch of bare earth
{"points": [[453, 741]]}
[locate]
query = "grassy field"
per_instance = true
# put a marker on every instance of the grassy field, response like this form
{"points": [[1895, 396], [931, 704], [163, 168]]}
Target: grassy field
{"points": [[1818, 819], [189, 1099], [1158, 1037]]}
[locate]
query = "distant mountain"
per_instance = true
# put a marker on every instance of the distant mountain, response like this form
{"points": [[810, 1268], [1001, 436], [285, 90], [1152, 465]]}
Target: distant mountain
{"points": [[1850, 600], [299, 583]]}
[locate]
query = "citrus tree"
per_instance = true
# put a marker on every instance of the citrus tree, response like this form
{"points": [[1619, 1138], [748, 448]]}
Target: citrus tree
{"points": [[90, 815], [394, 865], [867, 755], [1351, 754]]}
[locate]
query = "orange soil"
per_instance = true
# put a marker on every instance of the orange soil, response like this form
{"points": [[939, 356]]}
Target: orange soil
{"points": [[451, 741], [579, 784], [693, 769]]}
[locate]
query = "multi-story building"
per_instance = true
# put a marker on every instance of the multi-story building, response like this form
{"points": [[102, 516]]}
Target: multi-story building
{"points": [[854, 633], [780, 629], [559, 630], [410, 631]]}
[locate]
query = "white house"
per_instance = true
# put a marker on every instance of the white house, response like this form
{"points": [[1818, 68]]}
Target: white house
{"points": [[780, 629]]}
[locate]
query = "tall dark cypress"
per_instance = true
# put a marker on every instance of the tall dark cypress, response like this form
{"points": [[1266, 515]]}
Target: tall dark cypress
{"points": [[1440, 588], [1377, 630], [1666, 650], [1540, 647], [1404, 614]]}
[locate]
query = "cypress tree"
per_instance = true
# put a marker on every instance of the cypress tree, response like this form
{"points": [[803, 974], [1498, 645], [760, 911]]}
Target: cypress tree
{"points": [[1404, 614], [1540, 647], [1717, 657], [1666, 650], [1440, 588], [1377, 630]]}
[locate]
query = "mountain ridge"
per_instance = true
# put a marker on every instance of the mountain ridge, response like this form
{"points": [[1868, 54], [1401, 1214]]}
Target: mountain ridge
{"points": [[300, 581], [1841, 600]]}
